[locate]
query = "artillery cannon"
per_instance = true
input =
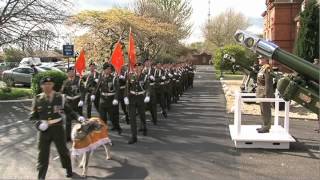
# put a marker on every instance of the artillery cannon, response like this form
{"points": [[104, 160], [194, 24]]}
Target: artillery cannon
{"points": [[303, 86], [250, 79]]}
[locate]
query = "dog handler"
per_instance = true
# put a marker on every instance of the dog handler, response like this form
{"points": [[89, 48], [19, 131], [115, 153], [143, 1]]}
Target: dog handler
{"points": [[46, 115]]}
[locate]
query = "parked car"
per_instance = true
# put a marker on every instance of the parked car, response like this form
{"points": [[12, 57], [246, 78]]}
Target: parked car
{"points": [[28, 61], [48, 68], [19, 75]]}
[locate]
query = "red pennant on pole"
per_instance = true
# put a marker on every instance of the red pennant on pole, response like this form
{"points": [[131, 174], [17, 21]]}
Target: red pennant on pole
{"points": [[132, 51], [80, 65], [117, 59]]}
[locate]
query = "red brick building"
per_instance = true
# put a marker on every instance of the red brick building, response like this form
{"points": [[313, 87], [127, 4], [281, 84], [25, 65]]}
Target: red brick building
{"points": [[281, 23]]}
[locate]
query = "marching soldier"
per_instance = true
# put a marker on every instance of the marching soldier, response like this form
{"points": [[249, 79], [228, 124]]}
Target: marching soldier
{"points": [[264, 90], [108, 88], [73, 88], [138, 95], [152, 105], [175, 88], [167, 87], [46, 115], [190, 69], [160, 86], [122, 86], [91, 82]]}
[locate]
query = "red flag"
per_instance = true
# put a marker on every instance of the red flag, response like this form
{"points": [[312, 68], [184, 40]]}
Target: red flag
{"points": [[80, 65], [132, 51], [117, 59]]}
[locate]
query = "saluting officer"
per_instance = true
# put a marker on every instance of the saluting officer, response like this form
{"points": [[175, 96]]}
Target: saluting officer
{"points": [[73, 88], [264, 90], [108, 87], [46, 115], [152, 105], [91, 82], [138, 94]]}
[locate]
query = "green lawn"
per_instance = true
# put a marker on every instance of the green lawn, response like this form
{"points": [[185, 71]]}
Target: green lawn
{"points": [[228, 75], [16, 93]]}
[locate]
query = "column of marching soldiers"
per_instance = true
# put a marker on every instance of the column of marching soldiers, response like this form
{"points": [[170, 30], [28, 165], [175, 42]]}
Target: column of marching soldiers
{"points": [[137, 89]]}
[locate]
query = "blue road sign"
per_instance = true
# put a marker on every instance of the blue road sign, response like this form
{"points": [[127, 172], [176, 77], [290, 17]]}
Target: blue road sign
{"points": [[68, 50]]}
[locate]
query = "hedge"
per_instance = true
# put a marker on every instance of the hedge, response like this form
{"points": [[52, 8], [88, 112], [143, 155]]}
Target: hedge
{"points": [[15, 93], [58, 78]]}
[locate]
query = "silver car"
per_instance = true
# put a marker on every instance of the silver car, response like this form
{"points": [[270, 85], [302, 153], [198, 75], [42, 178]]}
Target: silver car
{"points": [[19, 75]]}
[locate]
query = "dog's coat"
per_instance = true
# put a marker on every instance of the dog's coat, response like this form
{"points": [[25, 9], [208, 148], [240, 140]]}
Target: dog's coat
{"points": [[87, 137]]}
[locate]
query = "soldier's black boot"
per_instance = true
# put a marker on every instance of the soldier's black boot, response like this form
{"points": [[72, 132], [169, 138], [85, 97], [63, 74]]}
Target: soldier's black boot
{"points": [[164, 113], [127, 119], [263, 130], [69, 173], [145, 132], [133, 140], [119, 131]]}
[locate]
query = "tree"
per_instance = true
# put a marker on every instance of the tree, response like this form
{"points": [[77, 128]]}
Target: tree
{"points": [[107, 27], [307, 43], [237, 51], [20, 19], [176, 12], [13, 55], [220, 29]]}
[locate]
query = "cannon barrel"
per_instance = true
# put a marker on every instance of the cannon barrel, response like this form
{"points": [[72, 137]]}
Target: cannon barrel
{"points": [[272, 51], [302, 88]]}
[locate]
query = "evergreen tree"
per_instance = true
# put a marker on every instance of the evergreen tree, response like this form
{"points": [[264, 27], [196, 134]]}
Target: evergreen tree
{"points": [[307, 43]]}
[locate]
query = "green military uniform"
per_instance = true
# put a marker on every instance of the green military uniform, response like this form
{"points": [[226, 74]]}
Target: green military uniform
{"points": [[74, 91], [91, 82], [265, 90], [160, 88], [122, 87], [138, 89], [108, 87], [49, 109], [190, 70], [175, 86], [152, 105], [167, 89]]}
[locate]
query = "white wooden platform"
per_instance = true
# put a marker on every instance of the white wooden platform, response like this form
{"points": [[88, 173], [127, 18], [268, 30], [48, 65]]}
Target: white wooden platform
{"points": [[277, 138], [246, 136]]}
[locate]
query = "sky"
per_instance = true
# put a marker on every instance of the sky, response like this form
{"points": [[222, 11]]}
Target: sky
{"points": [[250, 8]]}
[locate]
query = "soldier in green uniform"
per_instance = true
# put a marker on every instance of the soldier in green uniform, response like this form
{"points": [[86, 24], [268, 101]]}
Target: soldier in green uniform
{"points": [[91, 82], [108, 87], [264, 90], [167, 86], [175, 88], [138, 94], [152, 105], [160, 87], [73, 88], [122, 86], [46, 115]]}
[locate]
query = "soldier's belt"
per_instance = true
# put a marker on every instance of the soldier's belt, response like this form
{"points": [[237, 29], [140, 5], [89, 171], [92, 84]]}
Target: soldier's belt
{"points": [[108, 94], [137, 92], [54, 121], [152, 84], [122, 87], [73, 97]]}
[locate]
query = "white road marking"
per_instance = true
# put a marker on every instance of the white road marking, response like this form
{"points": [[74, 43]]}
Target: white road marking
{"points": [[11, 124]]}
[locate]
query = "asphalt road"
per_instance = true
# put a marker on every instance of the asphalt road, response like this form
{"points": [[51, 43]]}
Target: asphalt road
{"points": [[193, 143]]}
